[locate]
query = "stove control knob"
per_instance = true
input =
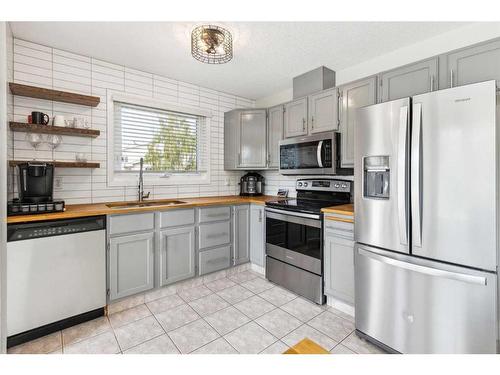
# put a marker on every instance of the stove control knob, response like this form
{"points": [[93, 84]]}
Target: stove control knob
{"points": [[305, 184], [343, 186], [336, 186], [299, 184]]}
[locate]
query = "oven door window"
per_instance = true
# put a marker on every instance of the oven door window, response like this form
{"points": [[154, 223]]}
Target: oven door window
{"points": [[294, 236], [305, 155]]}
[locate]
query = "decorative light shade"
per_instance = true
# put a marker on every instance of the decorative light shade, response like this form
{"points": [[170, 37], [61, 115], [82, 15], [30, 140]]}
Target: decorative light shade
{"points": [[211, 44]]}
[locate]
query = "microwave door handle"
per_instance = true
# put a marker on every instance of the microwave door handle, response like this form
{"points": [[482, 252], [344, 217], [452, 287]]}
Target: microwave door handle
{"points": [[416, 178], [401, 171], [318, 154]]}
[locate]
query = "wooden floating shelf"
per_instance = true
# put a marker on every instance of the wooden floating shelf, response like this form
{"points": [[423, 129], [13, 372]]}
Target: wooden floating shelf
{"points": [[49, 94], [60, 164], [48, 129]]}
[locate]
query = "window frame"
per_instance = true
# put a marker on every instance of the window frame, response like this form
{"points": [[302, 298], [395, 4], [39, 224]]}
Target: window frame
{"points": [[150, 178]]}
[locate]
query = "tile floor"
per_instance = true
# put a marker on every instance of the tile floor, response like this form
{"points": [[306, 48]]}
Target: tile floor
{"points": [[242, 313]]}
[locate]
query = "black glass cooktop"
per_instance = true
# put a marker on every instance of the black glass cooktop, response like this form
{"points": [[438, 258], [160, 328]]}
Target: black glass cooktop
{"points": [[312, 206]]}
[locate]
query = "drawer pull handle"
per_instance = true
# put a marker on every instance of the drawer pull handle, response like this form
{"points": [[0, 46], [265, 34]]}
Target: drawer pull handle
{"points": [[218, 235], [217, 260]]}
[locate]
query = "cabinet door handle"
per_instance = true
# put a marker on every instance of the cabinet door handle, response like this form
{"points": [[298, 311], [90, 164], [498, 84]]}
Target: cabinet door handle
{"points": [[312, 122], [451, 77], [260, 216], [431, 83], [339, 109], [303, 124]]}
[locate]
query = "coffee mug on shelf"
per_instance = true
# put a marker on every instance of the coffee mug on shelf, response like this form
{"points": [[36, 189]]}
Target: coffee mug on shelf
{"points": [[58, 120], [39, 118]]}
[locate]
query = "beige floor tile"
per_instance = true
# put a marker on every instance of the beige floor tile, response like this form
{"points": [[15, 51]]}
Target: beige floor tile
{"points": [[42, 345], [85, 330], [192, 294], [138, 332], [332, 325], [160, 293], [165, 303], [361, 346], [250, 338], [309, 332], [226, 320], [302, 309], [277, 348], [278, 322], [104, 343], [177, 317], [254, 307], [241, 277], [341, 349], [193, 336], [128, 316], [278, 296], [257, 285], [220, 284], [208, 305], [126, 303], [159, 345], [235, 294], [342, 314], [219, 346]]}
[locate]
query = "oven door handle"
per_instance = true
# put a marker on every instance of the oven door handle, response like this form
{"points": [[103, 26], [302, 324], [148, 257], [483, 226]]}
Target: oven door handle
{"points": [[292, 213], [318, 154]]}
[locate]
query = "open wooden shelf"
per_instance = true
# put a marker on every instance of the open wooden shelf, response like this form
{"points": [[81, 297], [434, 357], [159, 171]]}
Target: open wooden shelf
{"points": [[60, 164], [49, 94], [48, 129]]}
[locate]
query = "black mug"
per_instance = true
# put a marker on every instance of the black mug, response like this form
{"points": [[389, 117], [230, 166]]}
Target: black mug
{"points": [[39, 118]]}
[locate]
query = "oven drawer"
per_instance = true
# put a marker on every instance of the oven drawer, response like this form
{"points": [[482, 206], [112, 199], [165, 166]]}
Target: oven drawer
{"points": [[292, 257]]}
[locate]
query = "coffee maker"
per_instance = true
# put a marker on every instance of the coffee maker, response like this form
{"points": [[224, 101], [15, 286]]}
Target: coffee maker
{"points": [[251, 184], [35, 190]]}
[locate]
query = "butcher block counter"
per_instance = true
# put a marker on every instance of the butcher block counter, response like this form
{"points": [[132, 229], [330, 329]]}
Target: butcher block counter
{"points": [[343, 212], [94, 209]]}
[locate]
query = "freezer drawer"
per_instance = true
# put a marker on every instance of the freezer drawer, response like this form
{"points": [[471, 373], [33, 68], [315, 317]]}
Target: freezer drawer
{"points": [[417, 306]]}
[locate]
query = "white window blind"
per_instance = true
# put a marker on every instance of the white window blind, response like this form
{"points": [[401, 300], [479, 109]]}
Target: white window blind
{"points": [[169, 142]]}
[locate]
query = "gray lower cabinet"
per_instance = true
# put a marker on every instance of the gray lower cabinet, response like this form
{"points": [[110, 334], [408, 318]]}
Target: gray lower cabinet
{"points": [[241, 223], [339, 262], [322, 111], [131, 264], [409, 80], [473, 64], [257, 235], [177, 254], [275, 135], [353, 96], [214, 260], [295, 121]]}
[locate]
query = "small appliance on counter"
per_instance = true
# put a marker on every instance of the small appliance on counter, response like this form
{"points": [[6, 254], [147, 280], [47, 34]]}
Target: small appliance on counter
{"points": [[252, 184], [35, 185]]}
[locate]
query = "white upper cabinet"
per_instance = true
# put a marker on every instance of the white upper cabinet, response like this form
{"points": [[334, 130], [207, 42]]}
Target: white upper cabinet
{"points": [[252, 139], [323, 107], [409, 80], [275, 134], [296, 118]]}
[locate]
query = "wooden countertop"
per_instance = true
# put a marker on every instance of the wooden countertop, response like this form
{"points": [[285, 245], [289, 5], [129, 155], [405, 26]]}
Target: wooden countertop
{"points": [[94, 209], [344, 209]]}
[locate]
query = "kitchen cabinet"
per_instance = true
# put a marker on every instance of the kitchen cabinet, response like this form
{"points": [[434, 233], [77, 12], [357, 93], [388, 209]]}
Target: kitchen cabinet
{"points": [[214, 260], [353, 96], [275, 135], [214, 234], [131, 264], [241, 237], [245, 141], [409, 80], [322, 110], [257, 235], [473, 64], [339, 260], [177, 254], [295, 119]]}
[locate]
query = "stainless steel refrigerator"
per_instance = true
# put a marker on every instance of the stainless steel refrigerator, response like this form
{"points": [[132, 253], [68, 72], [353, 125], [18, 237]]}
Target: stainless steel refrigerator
{"points": [[426, 221]]}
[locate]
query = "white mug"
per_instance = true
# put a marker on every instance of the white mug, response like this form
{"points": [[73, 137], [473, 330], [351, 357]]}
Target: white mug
{"points": [[58, 120], [79, 122]]}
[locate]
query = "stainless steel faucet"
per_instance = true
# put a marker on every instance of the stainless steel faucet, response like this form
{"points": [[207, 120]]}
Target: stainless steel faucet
{"points": [[141, 194]]}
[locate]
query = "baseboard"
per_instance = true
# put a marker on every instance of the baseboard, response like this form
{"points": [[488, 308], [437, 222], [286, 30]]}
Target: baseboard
{"points": [[340, 305], [257, 269]]}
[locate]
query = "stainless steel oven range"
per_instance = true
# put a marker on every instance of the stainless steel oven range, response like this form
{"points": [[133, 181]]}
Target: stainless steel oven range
{"points": [[294, 236]]}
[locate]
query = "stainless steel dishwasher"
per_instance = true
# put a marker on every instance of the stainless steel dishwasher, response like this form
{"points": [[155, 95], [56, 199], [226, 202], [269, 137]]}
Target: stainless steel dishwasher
{"points": [[56, 275]]}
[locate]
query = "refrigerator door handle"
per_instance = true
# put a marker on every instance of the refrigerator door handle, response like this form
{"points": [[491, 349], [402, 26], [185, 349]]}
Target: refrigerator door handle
{"points": [[471, 279], [416, 182], [402, 157]]}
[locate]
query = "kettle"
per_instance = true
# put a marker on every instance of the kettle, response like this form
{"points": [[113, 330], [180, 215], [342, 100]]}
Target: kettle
{"points": [[252, 184]]}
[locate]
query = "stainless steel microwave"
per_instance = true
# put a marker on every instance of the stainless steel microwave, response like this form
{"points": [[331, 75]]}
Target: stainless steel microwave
{"points": [[314, 154]]}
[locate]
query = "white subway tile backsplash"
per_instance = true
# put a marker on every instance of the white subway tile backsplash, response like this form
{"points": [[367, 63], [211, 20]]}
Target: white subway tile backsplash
{"points": [[52, 68]]}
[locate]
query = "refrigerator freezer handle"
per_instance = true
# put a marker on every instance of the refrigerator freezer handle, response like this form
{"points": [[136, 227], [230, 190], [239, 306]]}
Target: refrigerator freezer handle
{"points": [[416, 182], [401, 171]]}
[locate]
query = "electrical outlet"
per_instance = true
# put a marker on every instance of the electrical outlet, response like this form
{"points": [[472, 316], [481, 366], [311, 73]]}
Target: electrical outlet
{"points": [[58, 183], [227, 182]]}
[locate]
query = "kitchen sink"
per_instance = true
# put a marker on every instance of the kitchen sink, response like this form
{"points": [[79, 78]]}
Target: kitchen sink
{"points": [[168, 202]]}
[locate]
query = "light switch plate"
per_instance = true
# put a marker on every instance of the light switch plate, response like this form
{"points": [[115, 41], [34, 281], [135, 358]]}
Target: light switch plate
{"points": [[58, 183]]}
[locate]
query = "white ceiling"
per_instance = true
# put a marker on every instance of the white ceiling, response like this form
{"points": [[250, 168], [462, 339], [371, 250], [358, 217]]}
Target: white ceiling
{"points": [[267, 55]]}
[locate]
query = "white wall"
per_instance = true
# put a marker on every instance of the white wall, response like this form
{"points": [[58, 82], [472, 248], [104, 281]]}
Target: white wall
{"points": [[455, 39], [39, 65]]}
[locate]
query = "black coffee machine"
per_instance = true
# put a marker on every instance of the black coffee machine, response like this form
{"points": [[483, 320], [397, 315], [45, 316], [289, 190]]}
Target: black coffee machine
{"points": [[36, 188], [251, 184]]}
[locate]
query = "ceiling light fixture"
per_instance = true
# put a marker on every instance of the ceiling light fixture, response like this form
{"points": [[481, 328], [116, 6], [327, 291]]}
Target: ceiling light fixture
{"points": [[211, 44]]}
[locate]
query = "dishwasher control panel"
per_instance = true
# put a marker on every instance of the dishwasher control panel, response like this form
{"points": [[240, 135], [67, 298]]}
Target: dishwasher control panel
{"points": [[27, 231]]}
